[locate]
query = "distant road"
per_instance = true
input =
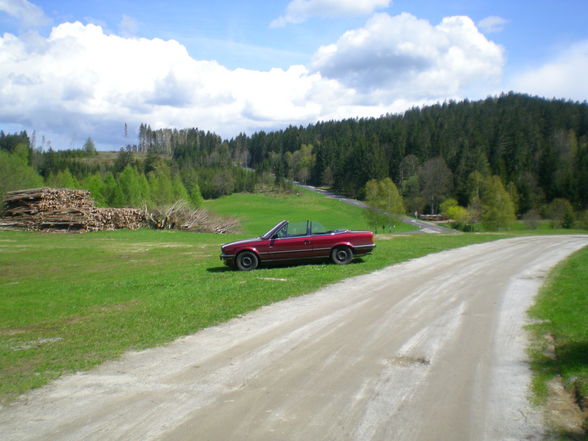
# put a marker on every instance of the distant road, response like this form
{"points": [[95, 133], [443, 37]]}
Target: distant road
{"points": [[430, 349], [424, 227]]}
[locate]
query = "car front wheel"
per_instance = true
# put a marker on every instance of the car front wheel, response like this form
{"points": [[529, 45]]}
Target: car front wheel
{"points": [[341, 255], [247, 261]]}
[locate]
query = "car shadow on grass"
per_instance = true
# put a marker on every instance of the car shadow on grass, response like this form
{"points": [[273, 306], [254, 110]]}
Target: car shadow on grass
{"points": [[223, 269], [220, 269]]}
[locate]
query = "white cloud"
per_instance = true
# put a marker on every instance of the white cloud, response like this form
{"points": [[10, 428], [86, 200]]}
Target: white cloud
{"points": [[28, 14], [299, 11], [563, 77], [492, 24], [406, 57], [80, 81]]}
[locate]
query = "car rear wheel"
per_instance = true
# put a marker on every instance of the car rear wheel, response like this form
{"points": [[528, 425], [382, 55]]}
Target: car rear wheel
{"points": [[247, 261], [341, 255]]}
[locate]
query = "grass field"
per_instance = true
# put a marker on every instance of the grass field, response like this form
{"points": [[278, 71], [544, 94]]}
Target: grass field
{"points": [[259, 212], [562, 314], [70, 302]]}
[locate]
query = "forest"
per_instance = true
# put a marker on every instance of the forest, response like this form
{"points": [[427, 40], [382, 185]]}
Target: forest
{"points": [[533, 149], [538, 146]]}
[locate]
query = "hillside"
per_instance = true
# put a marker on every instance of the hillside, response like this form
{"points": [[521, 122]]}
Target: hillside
{"points": [[538, 145], [535, 149]]}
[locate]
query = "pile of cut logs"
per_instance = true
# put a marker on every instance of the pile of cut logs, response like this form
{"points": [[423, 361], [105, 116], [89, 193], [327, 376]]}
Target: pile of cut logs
{"points": [[62, 209]]}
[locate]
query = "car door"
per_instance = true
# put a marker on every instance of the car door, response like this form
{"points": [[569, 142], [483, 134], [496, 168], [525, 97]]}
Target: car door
{"points": [[292, 242], [321, 240]]}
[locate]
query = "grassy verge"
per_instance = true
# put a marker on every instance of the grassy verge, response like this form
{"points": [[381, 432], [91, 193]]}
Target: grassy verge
{"points": [[259, 212], [561, 334], [70, 302]]}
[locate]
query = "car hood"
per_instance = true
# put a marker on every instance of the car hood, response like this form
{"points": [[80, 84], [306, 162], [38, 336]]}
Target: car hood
{"points": [[240, 242]]}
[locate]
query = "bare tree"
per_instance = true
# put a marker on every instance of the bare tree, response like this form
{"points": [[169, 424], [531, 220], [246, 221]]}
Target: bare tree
{"points": [[436, 182]]}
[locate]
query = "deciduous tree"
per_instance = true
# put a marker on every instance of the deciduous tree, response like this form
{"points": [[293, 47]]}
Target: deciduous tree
{"points": [[384, 201]]}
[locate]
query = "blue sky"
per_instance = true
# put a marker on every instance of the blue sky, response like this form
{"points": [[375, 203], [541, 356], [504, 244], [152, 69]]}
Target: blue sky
{"points": [[72, 69]]}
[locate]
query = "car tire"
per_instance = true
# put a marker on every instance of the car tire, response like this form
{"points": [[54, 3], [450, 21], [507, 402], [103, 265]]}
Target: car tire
{"points": [[341, 255], [247, 261]]}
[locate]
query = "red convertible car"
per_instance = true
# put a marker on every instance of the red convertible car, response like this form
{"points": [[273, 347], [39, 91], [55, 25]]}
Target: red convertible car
{"points": [[297, 241]]}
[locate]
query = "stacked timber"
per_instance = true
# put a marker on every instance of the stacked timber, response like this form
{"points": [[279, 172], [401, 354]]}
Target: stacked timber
{"points": [[61, 209]]}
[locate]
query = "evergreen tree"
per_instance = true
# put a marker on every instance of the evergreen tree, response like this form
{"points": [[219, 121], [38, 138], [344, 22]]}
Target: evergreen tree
{"points": [[145, 188], [196, 196], [94, 184], [160, 187], [112, 192], [130, 185], [178, 190], [16, 174], [63, 179]]}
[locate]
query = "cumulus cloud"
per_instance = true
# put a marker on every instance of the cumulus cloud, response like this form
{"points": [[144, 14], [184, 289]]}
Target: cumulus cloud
{"points": [[80, 81], [563, 77], [492, 24], [79, 78], [407, 57], [26, 13], [299, 11]]}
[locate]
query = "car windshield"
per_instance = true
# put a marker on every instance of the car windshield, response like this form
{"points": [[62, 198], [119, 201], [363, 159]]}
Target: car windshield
{"points": [[274, 230], [293, 229]]}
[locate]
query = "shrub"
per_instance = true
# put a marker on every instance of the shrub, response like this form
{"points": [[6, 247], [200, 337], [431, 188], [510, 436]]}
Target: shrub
{"points": [[532, 219]]}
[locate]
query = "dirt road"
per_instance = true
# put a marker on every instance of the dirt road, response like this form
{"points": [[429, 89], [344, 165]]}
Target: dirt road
{"points": [[432, 349], [423, 226]]}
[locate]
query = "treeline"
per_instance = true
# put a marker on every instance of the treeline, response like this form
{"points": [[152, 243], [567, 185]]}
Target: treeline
{"points": [[192, 147], [535, 149], [128, 180], [538, 149]]}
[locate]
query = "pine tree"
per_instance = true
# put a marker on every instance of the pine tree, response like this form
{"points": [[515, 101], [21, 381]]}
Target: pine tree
{"points": [[16, 175], [130, 186], [195, 196], [178, 190], [112, 192], [95, 185], [63, 179], [160, 187]]}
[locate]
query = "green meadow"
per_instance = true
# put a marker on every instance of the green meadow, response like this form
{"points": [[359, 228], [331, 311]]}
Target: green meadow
{"points": [[259, 212], [69, 302]]}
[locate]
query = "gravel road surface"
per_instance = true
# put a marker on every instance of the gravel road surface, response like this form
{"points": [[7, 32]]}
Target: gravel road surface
{"points": [[431, 349]]}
